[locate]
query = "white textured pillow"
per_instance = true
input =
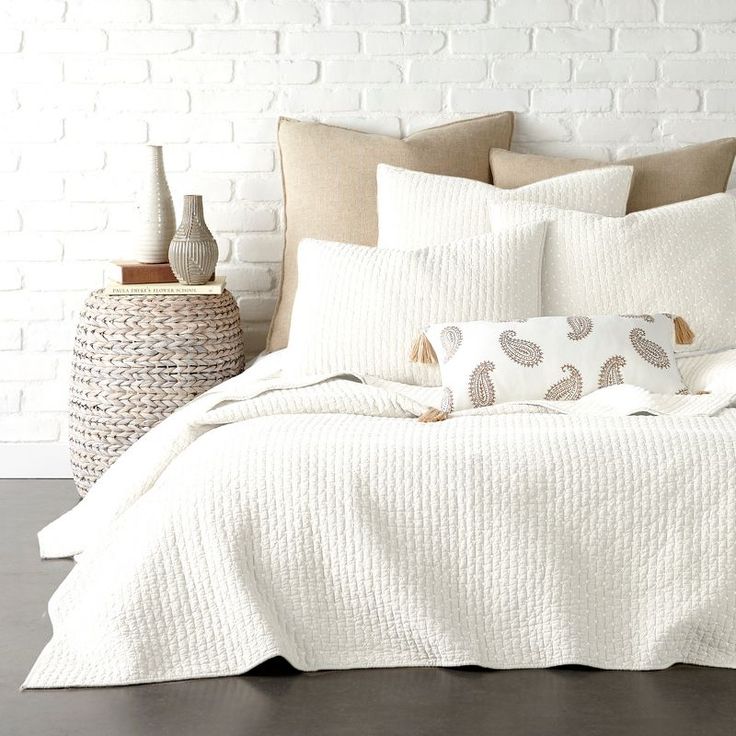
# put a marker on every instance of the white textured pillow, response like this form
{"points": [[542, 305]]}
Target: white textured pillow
{"points": [[358, 309], [417, 210], [553, 358], [680, 258], [711, 373]]}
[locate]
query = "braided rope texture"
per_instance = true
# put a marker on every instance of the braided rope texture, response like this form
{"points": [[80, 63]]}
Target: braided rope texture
{"points": [[138, 358]]}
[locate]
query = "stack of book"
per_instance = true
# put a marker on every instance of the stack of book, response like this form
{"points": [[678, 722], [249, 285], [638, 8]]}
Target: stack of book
{"points": [[130, 277]]}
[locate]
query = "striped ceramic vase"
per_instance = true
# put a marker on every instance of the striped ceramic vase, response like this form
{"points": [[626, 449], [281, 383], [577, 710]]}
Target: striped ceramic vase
{"points": [[193, 251]]}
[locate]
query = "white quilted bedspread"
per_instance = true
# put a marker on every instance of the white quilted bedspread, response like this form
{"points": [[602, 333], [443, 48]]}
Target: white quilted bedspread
{"points": [[324, 524]]}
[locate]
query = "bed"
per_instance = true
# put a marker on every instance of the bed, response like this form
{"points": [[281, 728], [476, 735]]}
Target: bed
{"points": [[317, 520], [300, 510]]}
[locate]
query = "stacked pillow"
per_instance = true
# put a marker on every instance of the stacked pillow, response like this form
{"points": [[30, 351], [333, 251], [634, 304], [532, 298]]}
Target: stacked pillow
{"points": [[329, 178], [417, 210], [680, 258], [358, 309], [659, 179], [460, 256]]}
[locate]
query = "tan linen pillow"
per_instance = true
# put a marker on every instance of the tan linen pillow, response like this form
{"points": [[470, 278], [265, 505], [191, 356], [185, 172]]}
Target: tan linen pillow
{"points": [[660, 178], [329, 180]]}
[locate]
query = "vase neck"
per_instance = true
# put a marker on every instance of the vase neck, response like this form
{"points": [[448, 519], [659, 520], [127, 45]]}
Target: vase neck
{"points": [[193, 209], [156, 158], [192, 219]]}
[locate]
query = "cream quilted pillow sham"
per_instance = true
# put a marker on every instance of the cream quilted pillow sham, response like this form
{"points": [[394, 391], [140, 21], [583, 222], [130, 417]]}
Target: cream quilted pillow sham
{"points": [[357, 309], [418, 210]]}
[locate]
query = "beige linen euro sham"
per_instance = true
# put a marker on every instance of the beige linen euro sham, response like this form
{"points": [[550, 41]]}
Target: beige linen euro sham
{"points": [[659, 179], [329, 181]]}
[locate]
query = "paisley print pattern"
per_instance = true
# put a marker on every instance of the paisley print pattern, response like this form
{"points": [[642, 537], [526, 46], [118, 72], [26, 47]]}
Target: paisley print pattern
{"points": [[523, 352], [451, 337], [554, 358], [481, 390], [569, 388], [448, 401], [580, 327], [651, 352], [646, 317], [610, 373]]}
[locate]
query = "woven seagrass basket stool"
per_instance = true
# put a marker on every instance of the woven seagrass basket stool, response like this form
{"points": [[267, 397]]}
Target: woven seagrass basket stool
{"points": [[138, 358]]}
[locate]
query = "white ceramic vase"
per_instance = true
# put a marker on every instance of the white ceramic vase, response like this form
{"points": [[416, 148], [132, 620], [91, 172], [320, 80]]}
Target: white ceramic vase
{"points": [[156, 218], [193, 250]]}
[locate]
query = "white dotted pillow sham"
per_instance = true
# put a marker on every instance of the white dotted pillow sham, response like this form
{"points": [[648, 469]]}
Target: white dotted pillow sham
{"points": [[552, 358], [679, 258]]}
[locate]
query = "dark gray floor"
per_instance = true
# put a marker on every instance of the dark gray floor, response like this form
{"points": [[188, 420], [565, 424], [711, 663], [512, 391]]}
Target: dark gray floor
{"points": [[274, 701]]}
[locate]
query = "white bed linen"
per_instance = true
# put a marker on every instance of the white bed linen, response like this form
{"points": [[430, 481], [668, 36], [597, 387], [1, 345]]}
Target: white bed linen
{"points": [[322, 523]]}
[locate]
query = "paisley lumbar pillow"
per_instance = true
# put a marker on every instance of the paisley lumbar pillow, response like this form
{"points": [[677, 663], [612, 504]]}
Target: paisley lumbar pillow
{"points": [[551, 358]]}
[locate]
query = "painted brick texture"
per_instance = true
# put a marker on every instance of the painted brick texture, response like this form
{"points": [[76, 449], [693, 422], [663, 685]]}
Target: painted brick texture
{"points": [[84, 83]]}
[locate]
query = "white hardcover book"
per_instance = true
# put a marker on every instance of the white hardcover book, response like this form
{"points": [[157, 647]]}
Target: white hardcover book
{"points": [[213, 287]]}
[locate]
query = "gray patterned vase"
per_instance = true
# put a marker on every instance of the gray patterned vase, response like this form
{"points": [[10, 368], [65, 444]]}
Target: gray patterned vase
{"points": [[193, 251]]}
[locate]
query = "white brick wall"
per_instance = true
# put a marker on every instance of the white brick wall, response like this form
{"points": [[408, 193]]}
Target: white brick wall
{"points": [[83, 83]]}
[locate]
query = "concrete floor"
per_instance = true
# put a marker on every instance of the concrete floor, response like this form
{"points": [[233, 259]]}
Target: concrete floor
{"points": [[275, 700]]}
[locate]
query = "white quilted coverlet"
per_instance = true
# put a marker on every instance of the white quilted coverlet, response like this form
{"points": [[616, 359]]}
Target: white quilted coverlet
{"points": [[324, 524]]}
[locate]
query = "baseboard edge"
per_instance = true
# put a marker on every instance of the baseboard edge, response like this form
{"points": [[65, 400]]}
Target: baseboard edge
{"points": [[34, 460]]}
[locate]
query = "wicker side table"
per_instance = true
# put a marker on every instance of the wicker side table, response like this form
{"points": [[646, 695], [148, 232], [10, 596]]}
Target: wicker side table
{"points": [[135, 360]]}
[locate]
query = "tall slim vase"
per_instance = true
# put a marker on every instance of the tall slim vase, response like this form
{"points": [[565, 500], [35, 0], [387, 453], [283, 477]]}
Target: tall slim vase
{"points": [[193, 250], [157, 220]]}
